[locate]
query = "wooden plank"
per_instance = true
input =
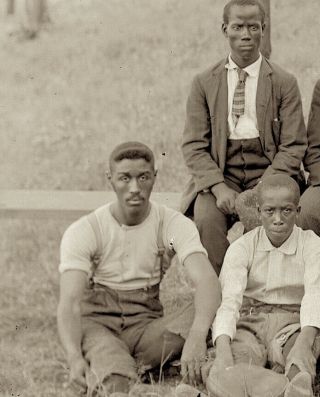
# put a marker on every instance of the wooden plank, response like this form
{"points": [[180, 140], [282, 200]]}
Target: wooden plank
{"points": [[63, 204]]}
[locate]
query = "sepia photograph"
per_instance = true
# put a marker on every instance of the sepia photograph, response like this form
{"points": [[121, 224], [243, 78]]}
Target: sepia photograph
{"points": [[160, 198]]}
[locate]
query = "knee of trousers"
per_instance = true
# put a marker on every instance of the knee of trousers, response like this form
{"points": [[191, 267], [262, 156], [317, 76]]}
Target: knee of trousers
{"points": [[249, 353], [310, 203], [109, 359], [207, 215], [166, 348]]}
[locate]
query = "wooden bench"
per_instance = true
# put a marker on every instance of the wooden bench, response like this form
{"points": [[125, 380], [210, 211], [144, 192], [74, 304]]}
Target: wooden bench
{"points": [[61, 204]]}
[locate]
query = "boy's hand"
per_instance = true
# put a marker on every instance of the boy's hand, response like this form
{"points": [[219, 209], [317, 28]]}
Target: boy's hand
{"points": [[224, 358], [302, 357]]}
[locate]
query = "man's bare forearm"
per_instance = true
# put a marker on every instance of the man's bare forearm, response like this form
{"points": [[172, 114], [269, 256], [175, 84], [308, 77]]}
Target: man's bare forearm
{"points": [[207, 299], [69, 327]]}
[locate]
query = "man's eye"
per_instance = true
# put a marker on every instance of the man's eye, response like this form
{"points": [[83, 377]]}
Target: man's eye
{"points": [[144, 178], [124, 179], [236, 27], [268, 210], [287, 211], [254, 28]]}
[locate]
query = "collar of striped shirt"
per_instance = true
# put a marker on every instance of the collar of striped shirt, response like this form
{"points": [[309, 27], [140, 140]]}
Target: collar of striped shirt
{"points": [[289, 247]]}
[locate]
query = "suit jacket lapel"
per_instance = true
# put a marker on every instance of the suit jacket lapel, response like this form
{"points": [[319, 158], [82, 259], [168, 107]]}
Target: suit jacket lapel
{"points": [[264, 94]]}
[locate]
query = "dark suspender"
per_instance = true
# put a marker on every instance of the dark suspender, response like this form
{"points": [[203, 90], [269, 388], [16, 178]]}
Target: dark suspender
{"points": [[96, 258]]}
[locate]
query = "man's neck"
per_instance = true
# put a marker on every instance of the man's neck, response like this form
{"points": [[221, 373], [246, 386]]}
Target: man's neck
{"points": [[129, 218], [243, 63]]}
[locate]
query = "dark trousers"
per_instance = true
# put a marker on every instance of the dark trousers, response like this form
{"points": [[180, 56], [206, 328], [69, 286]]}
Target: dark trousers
{"points": [[125, 329], [213, 228], [245, 165]]}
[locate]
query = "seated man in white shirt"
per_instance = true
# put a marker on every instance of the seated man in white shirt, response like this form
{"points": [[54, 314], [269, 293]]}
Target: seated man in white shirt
{"points": [[108, 329], [270, 312]]}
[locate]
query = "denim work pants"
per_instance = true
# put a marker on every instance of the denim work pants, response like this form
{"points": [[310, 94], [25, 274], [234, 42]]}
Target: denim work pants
{"points": [[122, 329]]}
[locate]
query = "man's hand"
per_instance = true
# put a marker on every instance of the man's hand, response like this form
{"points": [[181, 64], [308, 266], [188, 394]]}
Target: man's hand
{"points": [[193, 356], [225, 197], [78, 369]]}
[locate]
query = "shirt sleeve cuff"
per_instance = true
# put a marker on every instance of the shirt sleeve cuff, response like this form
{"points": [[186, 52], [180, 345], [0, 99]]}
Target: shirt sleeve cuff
{"points": [[223, 326], [310, 312], [79, 266], [192, 250]]}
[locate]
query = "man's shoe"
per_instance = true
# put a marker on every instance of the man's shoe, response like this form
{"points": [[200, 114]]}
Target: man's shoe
{"points": [[300, 386]]}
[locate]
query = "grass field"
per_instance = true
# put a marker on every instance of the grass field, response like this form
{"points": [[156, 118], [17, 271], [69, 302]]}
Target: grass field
{"points": [[103, 72]]}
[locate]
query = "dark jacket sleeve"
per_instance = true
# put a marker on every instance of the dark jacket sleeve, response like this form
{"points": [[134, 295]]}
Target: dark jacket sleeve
{"points": [[288, 123], [312, 157], [196, 141]]}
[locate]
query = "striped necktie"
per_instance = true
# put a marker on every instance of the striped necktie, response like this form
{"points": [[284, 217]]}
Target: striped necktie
{"points": [[238, 98]]}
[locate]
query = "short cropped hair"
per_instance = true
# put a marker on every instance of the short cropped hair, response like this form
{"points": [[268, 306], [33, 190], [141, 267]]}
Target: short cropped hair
{"points": [[131, 150], [242, 3], [277, 181]]}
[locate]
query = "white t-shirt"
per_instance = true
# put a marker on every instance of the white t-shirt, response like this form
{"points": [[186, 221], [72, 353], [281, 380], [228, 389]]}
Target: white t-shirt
{"points": [[129, 260]]}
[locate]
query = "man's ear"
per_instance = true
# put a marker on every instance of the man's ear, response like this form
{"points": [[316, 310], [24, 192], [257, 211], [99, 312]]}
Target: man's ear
{"points": [[155, 173], [263, 27], [259, 211], [108, 174], [224, 29], [298, 209]]}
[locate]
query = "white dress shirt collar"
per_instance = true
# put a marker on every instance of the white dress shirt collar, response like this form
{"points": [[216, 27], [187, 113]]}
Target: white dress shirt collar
{"points": [[289, 247], [252, 70]]}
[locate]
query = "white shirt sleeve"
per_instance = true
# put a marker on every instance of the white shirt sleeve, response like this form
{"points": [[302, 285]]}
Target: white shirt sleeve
{"points": [[310, 305], [181, 235], [233, 278], [78, 244]]}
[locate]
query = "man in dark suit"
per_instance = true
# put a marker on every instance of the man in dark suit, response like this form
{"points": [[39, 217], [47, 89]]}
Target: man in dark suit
{"points": [[244, 121], [310, 201]]}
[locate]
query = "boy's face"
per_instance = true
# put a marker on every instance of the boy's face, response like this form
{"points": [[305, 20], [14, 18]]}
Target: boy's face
{"points": [[278, 211]]}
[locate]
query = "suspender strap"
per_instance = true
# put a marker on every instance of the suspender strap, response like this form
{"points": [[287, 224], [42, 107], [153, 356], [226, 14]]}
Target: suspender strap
{"points": [[161, 248], [95, 260]]}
